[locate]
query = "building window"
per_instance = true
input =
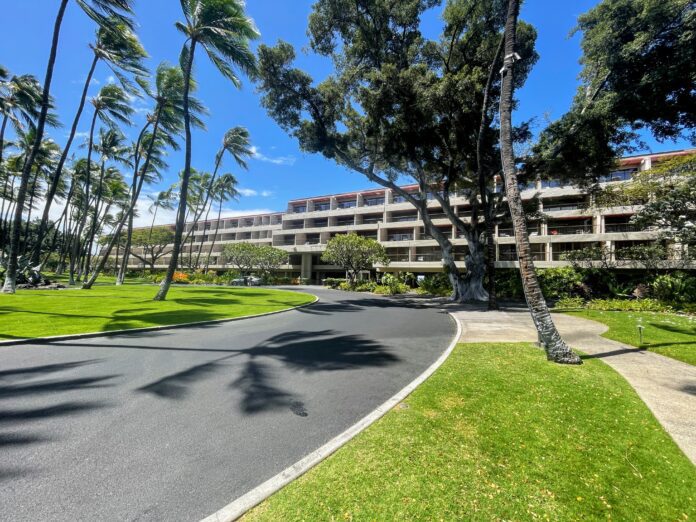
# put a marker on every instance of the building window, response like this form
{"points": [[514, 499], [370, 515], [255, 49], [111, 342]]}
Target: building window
{"points": [[349, 203], [371, 202], [322, 206], [298, 209]]}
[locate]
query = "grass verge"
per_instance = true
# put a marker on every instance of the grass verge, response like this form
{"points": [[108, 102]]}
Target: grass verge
{"points": [[39, 313], [498, 433], [670, 335]]}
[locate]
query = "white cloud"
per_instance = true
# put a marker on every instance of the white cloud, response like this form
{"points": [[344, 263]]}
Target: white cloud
{"points": [[248, 193], [277, 160], [111, 79]]}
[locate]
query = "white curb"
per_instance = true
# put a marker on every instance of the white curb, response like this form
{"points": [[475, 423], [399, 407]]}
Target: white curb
{"points": [[241, 505], [69, 337]]}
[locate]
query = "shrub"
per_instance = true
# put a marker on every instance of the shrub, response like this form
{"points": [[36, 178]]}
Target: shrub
{"points": [[570, 303], [345, 286], [629, 305], [333, 282], [557, 283], [180, 277], [365, 286], [679, 288], [393, 285], [435, 284], [508, 283]]}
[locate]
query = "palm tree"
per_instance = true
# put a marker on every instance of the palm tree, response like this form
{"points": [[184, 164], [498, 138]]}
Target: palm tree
{"points": [[166, 121], [162, 200], [20, 105], [111, 105], [556, 349], [119, 48], [224, 190], [98, 10], [111, 148], [223, 30]]}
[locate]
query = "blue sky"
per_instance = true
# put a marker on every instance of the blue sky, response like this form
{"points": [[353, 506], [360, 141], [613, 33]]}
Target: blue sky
{"points": [[280, 171]]}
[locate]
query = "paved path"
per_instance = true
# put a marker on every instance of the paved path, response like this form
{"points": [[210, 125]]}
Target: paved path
{"points": [[667, 386], [173, 425]]}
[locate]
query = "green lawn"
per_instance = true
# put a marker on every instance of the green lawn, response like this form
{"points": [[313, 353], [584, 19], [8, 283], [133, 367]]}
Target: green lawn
{"points": [[667, 334], [38, 313], [498, 433]]}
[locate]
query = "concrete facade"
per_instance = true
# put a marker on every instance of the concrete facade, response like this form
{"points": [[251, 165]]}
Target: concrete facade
{"points": [[307, 224]]}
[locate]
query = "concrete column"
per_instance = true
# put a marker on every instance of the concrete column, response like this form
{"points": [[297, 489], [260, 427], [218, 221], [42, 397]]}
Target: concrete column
{"points": [[306, 268], [549, 251]]}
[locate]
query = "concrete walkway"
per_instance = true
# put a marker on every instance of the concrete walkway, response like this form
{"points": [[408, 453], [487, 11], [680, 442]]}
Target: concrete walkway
{"points": [[667, 386]]}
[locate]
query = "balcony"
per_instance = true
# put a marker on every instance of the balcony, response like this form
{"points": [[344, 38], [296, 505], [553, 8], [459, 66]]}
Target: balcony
{"points": [[569, 229], [563, 207], [402, 219], [398, 258], [373, 202], [347, 204], [428, 257], [400, 237], [320, 207], [620, 227]]}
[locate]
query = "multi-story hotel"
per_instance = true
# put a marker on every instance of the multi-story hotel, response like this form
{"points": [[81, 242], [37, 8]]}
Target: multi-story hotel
{"points": [[307, 224]]}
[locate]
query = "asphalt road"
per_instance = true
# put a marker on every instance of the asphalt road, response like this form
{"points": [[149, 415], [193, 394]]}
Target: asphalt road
{"points": [[173, 425]]}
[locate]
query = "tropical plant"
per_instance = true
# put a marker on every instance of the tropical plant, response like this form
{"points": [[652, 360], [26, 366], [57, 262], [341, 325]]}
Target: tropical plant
{"points": [[119, 48], [223, 30], [224, 189]]}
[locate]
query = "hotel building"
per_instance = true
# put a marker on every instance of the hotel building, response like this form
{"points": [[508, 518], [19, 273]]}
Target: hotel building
{"points": [[306, 226]]}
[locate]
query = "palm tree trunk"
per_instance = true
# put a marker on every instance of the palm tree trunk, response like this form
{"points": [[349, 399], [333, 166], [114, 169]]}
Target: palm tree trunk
{"points": [[55, 179], [32, 194], [183, 196], [126, 251], [116, 233], [85, 207], [3, 127], [556, 349], [200, 246], [212, 245], [11, 274], [95, 217]]}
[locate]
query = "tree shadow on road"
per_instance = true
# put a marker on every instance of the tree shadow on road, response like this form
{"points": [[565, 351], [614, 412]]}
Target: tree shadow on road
{"points": [[306, 351], [23, 426]]}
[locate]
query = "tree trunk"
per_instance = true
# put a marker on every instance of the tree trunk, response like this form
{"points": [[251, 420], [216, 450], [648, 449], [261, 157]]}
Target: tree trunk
{"points": [[183, 195], [74, 259], [11, 274], [95, 218], [556, 349], [116, 233], [55, 179], [121, 276], [212, 245]]}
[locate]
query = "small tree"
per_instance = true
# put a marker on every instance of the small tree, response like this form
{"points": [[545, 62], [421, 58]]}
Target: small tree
{"points": [[244, 256], [151, 244], [354, 253], [270, 259]]}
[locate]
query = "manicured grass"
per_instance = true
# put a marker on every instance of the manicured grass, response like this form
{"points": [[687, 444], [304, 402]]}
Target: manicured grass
{"points": [[498, 433], [38, 313], [667, 334]]}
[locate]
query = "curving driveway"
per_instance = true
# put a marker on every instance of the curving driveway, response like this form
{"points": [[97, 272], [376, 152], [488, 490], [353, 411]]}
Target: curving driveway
{"points": [[173, 425]]}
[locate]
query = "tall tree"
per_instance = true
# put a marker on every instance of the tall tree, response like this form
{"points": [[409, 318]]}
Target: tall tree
{"points": [[119, 48], [165, 122], [112, 107], [223, 30], [98, 10], [224, 189], [556, 349]]}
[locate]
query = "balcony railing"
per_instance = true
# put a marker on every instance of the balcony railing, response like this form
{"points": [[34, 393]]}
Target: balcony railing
{"points": [[558, 208], [428, 257], [400, 237], [620, 227], [347, 204], [569, 229], [294, 227], [401, 219], [398, 258], [374, 202]]}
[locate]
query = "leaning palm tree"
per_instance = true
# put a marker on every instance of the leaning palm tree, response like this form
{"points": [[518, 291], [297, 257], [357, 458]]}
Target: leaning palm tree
{"points": [[119, 48], [225, 189], [223, 30], [110, 147], [556, 349], [162, 200], [111, 106], [98, 10], [163, 124]]}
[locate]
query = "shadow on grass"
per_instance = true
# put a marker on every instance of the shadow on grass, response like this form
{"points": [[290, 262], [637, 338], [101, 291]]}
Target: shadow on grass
{"points": [[688, 331]]}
